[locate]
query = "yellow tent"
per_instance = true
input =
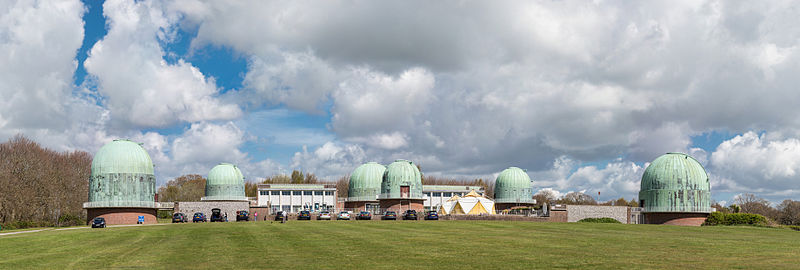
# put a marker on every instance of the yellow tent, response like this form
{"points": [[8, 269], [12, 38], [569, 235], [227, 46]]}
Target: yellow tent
{"points": [[471, 204]]}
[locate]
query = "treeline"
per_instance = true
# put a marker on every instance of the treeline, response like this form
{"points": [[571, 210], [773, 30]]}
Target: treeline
{"points": [[578, 198], [786, 213], [42, 187], [191, 187]]}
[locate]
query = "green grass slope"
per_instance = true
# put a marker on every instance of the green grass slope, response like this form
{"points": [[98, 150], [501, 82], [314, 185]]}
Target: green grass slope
{"points": [[404, 245]]}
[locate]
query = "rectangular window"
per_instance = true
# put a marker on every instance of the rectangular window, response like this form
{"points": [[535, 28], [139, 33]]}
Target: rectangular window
{"points": [[263, 192], [438, 194], [404, 191], [318, 193], [447, 194], [327, 193], [275, 193], [307, 193]]}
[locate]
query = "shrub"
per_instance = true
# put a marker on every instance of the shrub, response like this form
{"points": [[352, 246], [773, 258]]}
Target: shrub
{"points": [[599, 220], [718, 218], [67, 220]]}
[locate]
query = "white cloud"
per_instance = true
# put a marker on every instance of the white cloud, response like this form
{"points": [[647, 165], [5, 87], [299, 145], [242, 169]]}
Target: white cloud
{"points": [[138, 85], [757, 163], [329, 161]]}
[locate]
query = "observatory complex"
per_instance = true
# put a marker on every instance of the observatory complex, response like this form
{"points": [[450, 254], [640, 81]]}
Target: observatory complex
{"points": [[675, 190]]}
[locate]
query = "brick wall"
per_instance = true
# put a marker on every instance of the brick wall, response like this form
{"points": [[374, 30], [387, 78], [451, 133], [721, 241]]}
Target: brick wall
{"points": [[578, 212], [558, 216], [116, 216], [502, 206], [680, 219], [401, 205], [226, 207]]}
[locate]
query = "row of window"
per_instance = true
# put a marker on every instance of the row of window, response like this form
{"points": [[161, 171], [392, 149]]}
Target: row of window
{"points": [[288, 193], [443, 194]]}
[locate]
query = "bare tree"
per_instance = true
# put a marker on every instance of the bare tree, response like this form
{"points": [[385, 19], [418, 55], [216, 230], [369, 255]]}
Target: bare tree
{"points": [[577, 198], [185, 188], [750, 203], [789, 212]]}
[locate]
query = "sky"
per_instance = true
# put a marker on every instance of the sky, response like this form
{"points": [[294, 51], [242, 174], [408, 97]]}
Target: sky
{"points": [[581, 94]]}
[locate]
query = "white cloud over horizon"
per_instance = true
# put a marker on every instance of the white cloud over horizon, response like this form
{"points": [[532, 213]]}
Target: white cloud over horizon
{"points": [[463, 88]]}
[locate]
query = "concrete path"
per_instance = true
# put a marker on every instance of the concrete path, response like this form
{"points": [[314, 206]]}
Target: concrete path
{"points": [[75, 228]]}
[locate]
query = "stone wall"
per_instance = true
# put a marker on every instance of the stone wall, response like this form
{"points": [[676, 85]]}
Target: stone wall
{"points": [[558, 216], [226, 207], [116, 216], [578, 212]]}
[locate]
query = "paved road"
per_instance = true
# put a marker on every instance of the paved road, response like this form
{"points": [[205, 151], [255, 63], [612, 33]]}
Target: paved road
{"points": [[75, 228]]}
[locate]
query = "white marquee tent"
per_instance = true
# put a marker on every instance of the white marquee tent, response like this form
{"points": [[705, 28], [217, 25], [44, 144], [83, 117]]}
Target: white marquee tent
{"points": [[471, 204]]}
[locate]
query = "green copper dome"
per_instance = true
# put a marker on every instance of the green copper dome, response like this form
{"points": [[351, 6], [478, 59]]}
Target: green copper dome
{"points": [[513, 185], [122, 176], [365, 182], [675, 182], [226, 183], [399, 175]]}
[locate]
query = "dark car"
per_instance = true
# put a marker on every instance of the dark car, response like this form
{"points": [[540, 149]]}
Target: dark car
{"points": [[279, 215], [364, 215], [178, 218], [432, 215], [389, 215], [99, 222], [410, 215], [242, 215], [199, 217], [216, 215], [304, 215]]}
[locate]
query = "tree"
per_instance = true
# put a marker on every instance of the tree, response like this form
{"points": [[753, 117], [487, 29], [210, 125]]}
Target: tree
{"points": [[343, 186], [42, 186], [250, 189], [297, 177], [185, 188], [789, 212], [750, 203], [545, 196], [577, 198]]}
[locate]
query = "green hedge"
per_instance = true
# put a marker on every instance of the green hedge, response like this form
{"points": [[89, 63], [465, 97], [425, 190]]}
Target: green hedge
{"points": [[719, 218], [599, 220]]}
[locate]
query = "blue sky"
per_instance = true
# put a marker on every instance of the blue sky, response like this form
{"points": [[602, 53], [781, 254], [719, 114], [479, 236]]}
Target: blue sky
{"points": [[582, 102]]}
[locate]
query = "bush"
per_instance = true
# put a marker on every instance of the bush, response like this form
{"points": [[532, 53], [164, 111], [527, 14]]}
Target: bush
{"points": [[718, 218], [67, 220], [794, 227], [599, 220]]}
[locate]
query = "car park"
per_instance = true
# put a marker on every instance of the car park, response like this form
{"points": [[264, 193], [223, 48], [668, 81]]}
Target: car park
{"points": [[432, 215], [344, 215], [179, 218], [242, 215], [389, 215], [216, 215], [99, 222], [199, 217], [304, 215], [364, 215], [410, 215], [324, 215]]}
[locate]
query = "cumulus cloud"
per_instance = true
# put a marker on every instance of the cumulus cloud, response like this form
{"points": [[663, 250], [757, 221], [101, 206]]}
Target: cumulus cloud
{"points": [[330, 160], [138, 85], [614, 180], [757, 163]]}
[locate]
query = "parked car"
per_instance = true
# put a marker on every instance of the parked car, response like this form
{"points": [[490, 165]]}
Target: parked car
{"points": [[410, 215], [432, 215], [304, 215], [199, 217], [364, 215], [178, 218], [279, 215], [242, 215], [389, 215], [99, 222], [324, 215], [344, 215], [216, 215]]}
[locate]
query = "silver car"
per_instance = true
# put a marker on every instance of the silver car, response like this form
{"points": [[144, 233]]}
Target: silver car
{"points": [[324, 215], [343, 216]]}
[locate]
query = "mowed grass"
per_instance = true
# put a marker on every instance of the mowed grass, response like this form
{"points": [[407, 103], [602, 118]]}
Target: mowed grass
{"points": [[404, 245]]}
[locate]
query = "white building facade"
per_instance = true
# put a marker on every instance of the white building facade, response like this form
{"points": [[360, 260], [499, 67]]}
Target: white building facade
{"points": [[294, 198], [436, 195]]}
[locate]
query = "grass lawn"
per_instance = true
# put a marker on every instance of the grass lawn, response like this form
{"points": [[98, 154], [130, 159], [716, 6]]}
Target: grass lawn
{"points": [[404, 245]]}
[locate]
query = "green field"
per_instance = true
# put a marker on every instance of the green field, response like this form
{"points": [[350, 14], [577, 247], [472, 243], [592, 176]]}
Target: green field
{"points": [[404, 245]]}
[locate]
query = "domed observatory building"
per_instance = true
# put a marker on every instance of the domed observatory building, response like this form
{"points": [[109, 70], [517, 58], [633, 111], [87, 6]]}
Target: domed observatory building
{"points": [[401, 188], [365, 186], [675, 190], [122, 185], [225, 182], [513, 188]]}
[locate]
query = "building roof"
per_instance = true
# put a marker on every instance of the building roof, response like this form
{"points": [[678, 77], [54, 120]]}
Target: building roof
{"points": [[675, 182], [225, 182], [122, 156], [513, 185], [401, 173], [365, 182]]}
